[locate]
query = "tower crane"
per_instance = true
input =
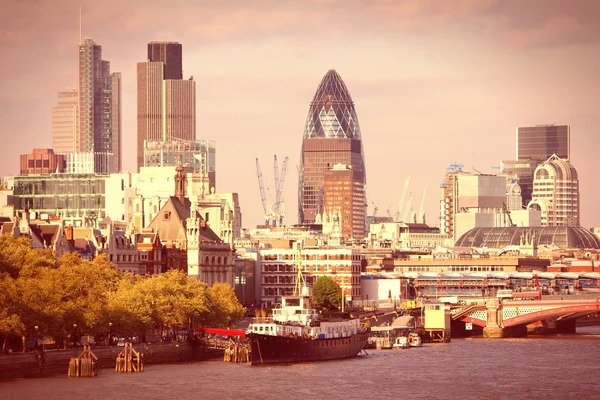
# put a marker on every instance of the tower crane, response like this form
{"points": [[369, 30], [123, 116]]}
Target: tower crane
{"points": [[263, 198], [455, 167], [279, 180], [375, 208], [407, 209], [421, 215], [402, 197]]}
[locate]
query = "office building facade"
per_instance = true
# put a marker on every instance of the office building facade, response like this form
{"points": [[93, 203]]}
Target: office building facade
{"points": [[170, 55], [166, 104], [542, 141], [556, 193], [42, 162], [64, 122], [98, 111], [534, 145], [344, 193]]}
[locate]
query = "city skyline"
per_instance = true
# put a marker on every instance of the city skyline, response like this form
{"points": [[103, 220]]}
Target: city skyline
{"points": [[433, 84]]}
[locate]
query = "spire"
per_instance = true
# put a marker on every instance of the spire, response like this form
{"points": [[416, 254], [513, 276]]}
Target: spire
{"points": [[180, 180]]}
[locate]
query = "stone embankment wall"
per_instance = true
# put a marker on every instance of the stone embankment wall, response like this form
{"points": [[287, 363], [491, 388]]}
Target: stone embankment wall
{"points": [[24, 365]]}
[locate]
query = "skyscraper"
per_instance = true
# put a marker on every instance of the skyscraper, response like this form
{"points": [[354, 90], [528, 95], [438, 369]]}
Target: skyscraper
{"points": [[540, 142], [169, 53], [64, 122], [344, 194], [116, 123], [166, 103], [331, 136], [556, 192], [535, 144], [96, 104]]}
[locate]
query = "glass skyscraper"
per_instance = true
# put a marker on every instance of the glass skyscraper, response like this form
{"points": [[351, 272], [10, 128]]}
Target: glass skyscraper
{"points": [[540, 142], [331, 136]]}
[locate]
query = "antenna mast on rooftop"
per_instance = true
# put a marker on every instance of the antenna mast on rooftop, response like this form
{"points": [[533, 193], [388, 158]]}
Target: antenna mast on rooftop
{"points": [[79, 24]]}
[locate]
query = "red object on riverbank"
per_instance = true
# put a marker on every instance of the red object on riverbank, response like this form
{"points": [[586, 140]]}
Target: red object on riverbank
{"points": [[221, 331]]}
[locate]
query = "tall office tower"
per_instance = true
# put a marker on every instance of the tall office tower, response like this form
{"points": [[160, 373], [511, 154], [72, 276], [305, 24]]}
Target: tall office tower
{"points": [[95, 133], [166, 103], [344, 194], [64, 122], [331, 136], [169, 53], [542, 141], [116, 123], [556, 192], [535, 144]]}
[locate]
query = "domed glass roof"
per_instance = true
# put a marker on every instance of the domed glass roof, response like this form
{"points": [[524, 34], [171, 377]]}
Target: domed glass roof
{"points": [[331, 113], [566, 237]]}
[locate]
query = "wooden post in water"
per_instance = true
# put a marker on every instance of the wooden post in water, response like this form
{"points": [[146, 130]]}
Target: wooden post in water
{"points": [[236, 352], [129, 360], [86, 364]]}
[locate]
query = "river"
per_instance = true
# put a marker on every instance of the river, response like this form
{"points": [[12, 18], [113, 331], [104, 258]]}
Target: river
{"points": [[554, 367]]}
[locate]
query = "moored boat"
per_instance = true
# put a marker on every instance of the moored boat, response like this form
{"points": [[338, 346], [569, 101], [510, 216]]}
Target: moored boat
{"points": [[400, 343], [296, 332], [414, 340]]}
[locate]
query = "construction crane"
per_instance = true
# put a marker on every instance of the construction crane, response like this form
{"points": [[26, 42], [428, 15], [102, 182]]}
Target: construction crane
{"points": [[279, 180], [407, 209], [402, 197], [455, 167], [375, 208], [421, 215], [263, 198]]}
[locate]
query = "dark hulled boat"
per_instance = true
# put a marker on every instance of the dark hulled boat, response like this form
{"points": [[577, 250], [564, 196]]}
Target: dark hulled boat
{"points": [[297, 333]]}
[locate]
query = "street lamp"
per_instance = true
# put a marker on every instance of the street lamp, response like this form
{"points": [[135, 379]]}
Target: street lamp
{"points": [[109, 332], [74, 336], [36, 337]]}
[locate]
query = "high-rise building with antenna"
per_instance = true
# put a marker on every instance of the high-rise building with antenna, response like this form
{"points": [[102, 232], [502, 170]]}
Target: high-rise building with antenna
{"points": [[96, 105]]}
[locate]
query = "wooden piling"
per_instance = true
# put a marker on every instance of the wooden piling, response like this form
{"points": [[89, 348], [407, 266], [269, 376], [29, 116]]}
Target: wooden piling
{"points": [[236, 352], [129, 360], [84, 365]]}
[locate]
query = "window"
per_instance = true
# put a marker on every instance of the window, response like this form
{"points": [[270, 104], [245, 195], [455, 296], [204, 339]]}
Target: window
{"points": [[167, 215]]}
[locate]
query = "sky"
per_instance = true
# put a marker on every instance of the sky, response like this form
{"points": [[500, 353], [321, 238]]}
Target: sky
{"points": [[434, 83]]}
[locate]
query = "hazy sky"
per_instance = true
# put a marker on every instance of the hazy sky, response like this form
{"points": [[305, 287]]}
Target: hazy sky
{"points": [[434, 82]]}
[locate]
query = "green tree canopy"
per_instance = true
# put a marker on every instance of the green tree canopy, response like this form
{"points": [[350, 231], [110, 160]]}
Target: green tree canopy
{"points": [[327, 294]]}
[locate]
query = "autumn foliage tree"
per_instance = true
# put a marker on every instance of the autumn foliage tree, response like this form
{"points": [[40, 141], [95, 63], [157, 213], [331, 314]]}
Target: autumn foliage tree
{"points": [[55, 294]]}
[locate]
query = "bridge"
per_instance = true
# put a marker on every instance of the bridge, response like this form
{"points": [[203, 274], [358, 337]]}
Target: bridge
{"points": [[508, 317]]}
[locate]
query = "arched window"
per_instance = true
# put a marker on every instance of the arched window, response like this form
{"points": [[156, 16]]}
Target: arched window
{"points": [[542, 174], [206, 260], [213, 260], [219, 260]]}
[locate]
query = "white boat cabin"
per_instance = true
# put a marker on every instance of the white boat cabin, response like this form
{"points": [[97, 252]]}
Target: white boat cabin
{"points": [[297, 318]]}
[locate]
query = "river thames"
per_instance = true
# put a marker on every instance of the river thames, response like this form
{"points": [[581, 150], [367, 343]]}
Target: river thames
{"points": [[554, 367]]}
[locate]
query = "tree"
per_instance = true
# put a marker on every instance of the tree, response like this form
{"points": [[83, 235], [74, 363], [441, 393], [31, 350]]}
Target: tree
{"points": [[226, 308], [326, 294], [10, 321]]}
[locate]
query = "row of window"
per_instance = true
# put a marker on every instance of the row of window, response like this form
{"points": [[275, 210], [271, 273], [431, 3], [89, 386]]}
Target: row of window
{"points": [[276, 257]]}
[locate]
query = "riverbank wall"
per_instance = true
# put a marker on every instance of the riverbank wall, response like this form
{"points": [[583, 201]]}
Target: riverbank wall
{"points": [[52, 362]]}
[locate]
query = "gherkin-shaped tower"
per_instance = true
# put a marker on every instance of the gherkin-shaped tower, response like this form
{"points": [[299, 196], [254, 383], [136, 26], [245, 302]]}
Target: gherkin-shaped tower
{"points": [[331, 138]]}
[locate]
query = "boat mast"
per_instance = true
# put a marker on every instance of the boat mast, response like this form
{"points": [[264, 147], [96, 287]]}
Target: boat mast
{"points": [[300, 281]]}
